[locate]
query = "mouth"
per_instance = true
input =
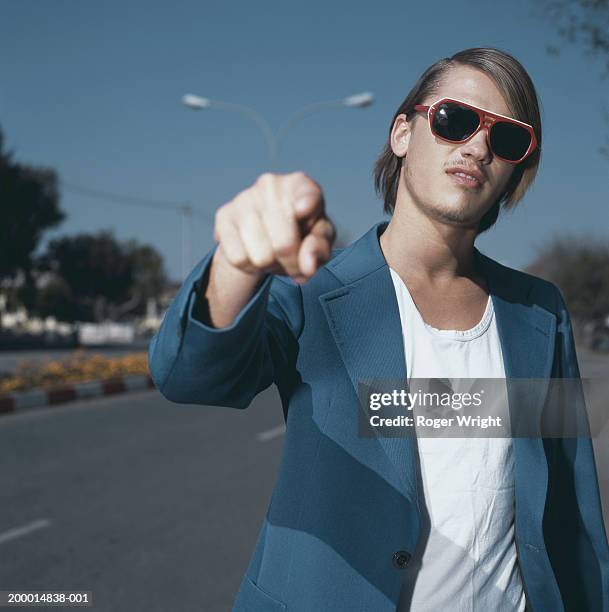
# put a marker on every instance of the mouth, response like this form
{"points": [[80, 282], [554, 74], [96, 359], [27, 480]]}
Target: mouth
{"points": [[461, 178]]}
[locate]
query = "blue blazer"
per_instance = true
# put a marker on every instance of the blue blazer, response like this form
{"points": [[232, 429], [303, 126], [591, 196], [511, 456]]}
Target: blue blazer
{"points": [[344, 518]]}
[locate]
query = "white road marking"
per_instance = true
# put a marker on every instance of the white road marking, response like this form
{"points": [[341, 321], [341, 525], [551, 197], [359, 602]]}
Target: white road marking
{"points": [[269, 434], [17, 532]]}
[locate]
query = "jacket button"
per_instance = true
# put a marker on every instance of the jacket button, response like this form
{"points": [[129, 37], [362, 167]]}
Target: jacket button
{"points": [[401, 558]]}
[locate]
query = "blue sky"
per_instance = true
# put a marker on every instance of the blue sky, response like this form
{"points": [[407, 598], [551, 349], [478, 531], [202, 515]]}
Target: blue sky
{"points": [[94, 89]]}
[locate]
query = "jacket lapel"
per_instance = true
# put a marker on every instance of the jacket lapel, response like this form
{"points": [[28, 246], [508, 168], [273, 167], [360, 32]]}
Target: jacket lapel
{"points": [[527, 333], [365, 323]]}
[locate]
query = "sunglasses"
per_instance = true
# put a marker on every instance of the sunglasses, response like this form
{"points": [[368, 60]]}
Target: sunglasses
{"points": [[456, 121]]}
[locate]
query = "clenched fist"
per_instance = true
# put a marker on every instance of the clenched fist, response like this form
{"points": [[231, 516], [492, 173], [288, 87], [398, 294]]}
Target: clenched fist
{"points": [[276, 226]]}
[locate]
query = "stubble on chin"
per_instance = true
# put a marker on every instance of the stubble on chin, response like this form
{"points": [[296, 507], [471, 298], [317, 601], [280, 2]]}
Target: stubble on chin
{"points": [[461, 214]]}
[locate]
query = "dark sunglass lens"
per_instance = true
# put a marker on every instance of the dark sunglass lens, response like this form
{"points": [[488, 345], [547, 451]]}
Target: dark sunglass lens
{"points": [[454, 122], [509, 140]]}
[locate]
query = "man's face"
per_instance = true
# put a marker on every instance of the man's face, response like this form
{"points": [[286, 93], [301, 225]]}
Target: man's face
{"points": [[424, 181]]}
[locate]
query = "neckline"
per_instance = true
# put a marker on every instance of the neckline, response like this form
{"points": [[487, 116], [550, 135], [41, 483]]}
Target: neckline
{"points": [[452, 334]]}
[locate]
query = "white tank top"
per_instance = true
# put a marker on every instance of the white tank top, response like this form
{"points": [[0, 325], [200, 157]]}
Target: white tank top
{"points": [[466, 557]]}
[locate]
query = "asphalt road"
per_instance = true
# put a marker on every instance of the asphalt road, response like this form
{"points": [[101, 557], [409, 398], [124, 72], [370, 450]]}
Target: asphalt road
{"points": [[148, 504]]}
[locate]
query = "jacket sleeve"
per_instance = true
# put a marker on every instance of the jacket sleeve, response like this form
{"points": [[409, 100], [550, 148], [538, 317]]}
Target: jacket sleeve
{"points": [[577, 536], [193, 363]]}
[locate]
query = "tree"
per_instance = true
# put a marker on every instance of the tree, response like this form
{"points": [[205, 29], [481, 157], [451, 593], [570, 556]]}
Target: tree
{"points": [[149, 277], [585, 23], [580, 268], [29, 201], [96, 277]]}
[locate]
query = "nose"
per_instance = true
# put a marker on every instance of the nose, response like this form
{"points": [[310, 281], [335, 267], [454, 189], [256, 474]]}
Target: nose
{"points": [[477, 146]]}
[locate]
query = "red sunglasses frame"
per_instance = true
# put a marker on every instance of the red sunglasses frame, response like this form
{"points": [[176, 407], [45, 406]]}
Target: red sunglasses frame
{"points": [[486, 120]]}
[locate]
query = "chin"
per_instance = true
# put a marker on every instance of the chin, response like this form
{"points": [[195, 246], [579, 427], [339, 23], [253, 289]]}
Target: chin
{"points": [[456, 212]]}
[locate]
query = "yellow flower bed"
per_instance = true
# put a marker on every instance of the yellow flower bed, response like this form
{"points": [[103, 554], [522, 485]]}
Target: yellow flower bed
{"points": [[79, 367]]}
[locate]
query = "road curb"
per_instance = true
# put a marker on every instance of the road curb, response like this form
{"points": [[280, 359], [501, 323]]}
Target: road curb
{"points": [[60, 394]]}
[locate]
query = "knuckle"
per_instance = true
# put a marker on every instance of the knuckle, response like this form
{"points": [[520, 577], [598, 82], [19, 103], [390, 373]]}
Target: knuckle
{"points": [[263, 259], [244, 202], [264, 178], [237, 259], [313, 184]]}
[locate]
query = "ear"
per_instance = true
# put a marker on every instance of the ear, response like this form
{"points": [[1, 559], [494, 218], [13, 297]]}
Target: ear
{"points": [[400, 135]]}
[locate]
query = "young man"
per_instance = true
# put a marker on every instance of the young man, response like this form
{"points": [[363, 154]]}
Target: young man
{"points": [[398, 523]]}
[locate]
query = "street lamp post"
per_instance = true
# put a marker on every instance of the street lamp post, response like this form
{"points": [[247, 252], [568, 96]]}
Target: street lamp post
{"points": [[359, 100], [186, 210]]}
